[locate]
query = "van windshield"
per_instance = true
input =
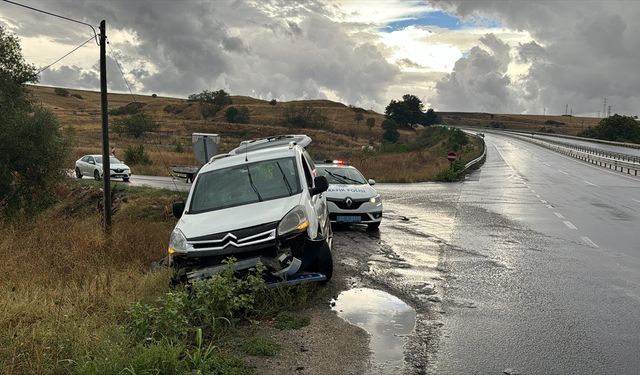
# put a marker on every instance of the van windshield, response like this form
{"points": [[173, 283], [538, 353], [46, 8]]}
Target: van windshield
{"points": [[245, 184]]}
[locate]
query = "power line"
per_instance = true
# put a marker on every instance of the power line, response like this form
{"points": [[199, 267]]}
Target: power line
{"points": [[95, 35], [67, 54], [113, 55]]}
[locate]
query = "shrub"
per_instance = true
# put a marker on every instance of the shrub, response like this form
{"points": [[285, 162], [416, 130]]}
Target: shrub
{"points": [[207, 303], [173, 109], [273, 102], [129, 109], [615, 128], [451, 174], [390, 134], [179, 148], [77, 96], [60, 91], [303, 117], [371, 122], [237, 115], [154, 95], [136, 125], [136, 155], [210, 101]]}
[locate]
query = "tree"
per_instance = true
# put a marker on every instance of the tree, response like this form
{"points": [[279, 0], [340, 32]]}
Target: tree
{"points": [[358, 117], [390, 134], [615, 128], [371, 122], [409, 111], [211, 101], [33, 149], [135, 125], [237, 115]]}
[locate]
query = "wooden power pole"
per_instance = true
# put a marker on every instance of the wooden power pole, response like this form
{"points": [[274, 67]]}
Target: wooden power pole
{"points": [[106, 165]]}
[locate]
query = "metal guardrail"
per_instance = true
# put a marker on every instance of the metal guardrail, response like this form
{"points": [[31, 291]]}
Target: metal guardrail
{"points": [[606, 159], [479, 159]]}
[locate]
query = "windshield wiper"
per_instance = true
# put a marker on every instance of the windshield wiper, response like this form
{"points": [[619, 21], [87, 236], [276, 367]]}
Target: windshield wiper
{"points": [[337, 177], [347, 178], [252, 185], [284, 177]]}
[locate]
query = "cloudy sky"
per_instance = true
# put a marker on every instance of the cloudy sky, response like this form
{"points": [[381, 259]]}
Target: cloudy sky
{"points": [[483, 55]]}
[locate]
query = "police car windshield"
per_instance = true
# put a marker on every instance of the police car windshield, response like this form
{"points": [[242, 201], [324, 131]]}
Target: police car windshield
{"points": [[245, 184], [342, 176]]}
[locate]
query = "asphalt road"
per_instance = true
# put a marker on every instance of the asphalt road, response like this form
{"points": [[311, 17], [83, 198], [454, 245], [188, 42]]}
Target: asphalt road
{"points": [[531, 265], [540, 260]]}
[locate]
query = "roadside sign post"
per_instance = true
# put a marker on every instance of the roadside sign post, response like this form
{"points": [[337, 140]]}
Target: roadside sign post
{"points": [[451, 156]]}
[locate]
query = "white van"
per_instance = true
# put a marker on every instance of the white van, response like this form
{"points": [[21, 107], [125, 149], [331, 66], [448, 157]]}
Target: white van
{"points": [[263, 201]]}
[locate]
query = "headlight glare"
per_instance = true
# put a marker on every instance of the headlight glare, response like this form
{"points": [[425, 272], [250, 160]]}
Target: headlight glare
{"points": [[375, 200], [295, 221]]}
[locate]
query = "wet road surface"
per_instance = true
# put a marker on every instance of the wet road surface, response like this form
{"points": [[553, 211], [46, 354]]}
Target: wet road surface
{"points": [[539, 260]]}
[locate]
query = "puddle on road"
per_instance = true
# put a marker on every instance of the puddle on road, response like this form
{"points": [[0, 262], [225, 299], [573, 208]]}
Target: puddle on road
{"points": [[386, 318]]}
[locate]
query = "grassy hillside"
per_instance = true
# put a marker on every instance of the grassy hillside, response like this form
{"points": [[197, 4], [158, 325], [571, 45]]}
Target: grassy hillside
{"points": [[340, 137], [569, 125]]}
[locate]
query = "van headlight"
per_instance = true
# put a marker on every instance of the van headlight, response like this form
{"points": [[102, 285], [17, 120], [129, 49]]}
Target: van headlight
{"points": [[376, 200], [295, 221], [177, 242]]}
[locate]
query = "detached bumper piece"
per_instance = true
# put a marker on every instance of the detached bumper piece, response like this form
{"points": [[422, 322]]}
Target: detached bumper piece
{"points": [[284, 270]]}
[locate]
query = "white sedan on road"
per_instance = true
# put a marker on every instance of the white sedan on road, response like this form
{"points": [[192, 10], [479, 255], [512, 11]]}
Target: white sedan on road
{"points": [[91, 165], [351, 198]]}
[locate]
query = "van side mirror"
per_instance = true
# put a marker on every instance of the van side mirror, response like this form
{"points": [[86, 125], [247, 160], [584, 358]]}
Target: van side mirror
{"points": [[178, 209], [371, 181], [321, 185]]}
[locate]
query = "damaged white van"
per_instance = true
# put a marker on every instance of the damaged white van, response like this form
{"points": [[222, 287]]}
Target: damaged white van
{"points": [[261, 202]]}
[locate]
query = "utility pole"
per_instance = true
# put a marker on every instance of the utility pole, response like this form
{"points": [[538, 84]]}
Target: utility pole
{"points": [[609, 111], [604, 107], [566, 109], [106, 164]]}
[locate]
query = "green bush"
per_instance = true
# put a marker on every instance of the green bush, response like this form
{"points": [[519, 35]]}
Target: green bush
{"points": [[136, 155], [135, 125], [60, 91], [273, 102], [77, 96], [129, 109], [207, 303], [391, 134], [451, 174], [615, 128], [237, 115], [303, 117]]}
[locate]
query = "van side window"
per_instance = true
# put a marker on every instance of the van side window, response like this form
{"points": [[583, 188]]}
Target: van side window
{"points": [[307, 172]]}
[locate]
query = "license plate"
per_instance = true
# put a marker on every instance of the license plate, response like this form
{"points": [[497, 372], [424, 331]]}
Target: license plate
{"points": [[348, 219]]}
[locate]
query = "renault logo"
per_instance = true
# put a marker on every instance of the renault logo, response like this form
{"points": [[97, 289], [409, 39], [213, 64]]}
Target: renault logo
{"points": [[348, 201]]}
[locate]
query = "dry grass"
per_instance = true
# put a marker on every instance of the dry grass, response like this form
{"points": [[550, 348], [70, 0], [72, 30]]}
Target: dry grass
{"points": [[568, 125], [63, 285]]}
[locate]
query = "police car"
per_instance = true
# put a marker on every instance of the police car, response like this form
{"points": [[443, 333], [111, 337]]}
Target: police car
{"points": [[350, 197]]}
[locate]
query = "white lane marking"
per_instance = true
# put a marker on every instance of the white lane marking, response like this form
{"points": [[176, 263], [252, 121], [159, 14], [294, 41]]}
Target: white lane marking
{"points": [[547, 164], [559, 215], [533, 191], [590, 183], [561, 171], [538, 196], [589, 242], [570, 225], [549, 206], [635, 200], [543, 201]]}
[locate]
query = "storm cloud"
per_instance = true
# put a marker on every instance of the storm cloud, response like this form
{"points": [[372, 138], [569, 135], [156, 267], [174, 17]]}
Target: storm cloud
{"points": [[583, 51], [281, 49]]}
